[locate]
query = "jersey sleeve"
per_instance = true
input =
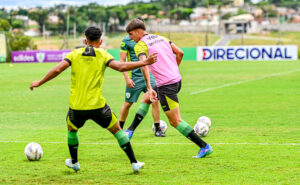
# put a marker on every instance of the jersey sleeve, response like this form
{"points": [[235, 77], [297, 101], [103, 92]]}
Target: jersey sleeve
{"points": [[108, 58], [167, 39], [69, 57], [124, 46], [141, 49]]}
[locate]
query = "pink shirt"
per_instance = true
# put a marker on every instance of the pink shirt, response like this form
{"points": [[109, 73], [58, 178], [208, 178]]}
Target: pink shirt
{"points": [[165, 70]]}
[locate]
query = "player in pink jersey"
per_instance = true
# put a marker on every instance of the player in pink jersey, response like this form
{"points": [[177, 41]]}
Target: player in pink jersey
{"points": [[168, 78]]}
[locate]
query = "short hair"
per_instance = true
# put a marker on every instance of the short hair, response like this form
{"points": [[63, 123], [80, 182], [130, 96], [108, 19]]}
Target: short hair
{"points": [[135, 24], [93, 33]]}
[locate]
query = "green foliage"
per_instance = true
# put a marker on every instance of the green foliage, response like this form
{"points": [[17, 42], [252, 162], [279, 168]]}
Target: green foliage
{"points": [[147, 8], [22, 11], [181, 13], [226, 16], [241, 11], [267, 9], [4, 25], [17, 24], [3, 14], [117, 12], [40, 16], [19, 41]]}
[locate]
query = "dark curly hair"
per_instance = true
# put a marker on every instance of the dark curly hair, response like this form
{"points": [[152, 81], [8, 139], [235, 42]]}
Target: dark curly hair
{"points": [[93, 33]]}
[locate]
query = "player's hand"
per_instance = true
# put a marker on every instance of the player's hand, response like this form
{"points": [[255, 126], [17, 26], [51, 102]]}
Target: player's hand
{"points": [[34, 84], [130, 83], [151, 59], [153, 96]]}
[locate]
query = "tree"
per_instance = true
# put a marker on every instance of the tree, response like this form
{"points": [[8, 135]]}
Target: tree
{"points": [[40, 16], [119, 13], [3, 14], [4, 25], [22, 12], [17, 24], [18, 41], [181, 13]]}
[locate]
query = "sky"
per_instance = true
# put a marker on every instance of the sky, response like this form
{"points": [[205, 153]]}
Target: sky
{"points": [[13, 4]]}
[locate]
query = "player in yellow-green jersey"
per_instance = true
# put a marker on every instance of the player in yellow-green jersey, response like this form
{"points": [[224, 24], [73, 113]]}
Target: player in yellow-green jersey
{"points": [[86, 100]]}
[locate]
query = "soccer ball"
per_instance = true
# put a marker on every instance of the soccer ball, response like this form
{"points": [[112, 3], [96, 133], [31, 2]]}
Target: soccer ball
{"points": [[201, 129], [33, 151], [163, 126], [204, 119]]}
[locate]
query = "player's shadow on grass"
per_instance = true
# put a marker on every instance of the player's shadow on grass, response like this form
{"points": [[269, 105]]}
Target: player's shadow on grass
{"points": [[70, 172]]}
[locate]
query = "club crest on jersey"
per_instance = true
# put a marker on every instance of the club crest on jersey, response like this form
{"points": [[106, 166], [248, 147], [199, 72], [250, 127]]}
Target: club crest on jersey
{"points": [[127, 95]]}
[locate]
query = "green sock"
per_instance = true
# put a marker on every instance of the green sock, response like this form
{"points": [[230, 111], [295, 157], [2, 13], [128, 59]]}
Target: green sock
{"points": [[72, 138], [184, 128], [121, 137], [143, 109], [73, 143], [125, 145], [188, 132], [139, 116]]}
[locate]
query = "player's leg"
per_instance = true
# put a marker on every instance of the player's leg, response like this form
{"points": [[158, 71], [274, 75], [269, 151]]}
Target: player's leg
{"points": [[186, 130], [124, 112], [144, 107], [141, 112], [170, 104], [107, 119], [75, 120], [156, 118]]}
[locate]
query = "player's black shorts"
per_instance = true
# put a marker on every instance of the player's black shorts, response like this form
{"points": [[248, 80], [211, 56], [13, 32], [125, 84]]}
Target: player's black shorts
{"points": [[103, 117], [167, 96]]}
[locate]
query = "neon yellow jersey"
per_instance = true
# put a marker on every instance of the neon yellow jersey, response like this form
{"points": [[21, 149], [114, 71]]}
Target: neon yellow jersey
{"points": [[87, 76]]}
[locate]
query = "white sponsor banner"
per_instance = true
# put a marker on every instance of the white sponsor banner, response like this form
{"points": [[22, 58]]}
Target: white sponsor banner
{"points": [[244, 53]]}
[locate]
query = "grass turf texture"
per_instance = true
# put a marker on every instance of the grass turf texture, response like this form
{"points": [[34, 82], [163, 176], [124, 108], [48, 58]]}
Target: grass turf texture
{"points": [[262, 111]]}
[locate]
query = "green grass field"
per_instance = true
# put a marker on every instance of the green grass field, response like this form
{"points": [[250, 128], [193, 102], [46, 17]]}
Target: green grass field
{"points": [[255, 133]]}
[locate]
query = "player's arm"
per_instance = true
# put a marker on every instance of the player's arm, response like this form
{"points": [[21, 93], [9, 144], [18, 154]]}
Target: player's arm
{"points": [[51, 74], [146, 74], [127, 66], [178, 52], [129, 82]]}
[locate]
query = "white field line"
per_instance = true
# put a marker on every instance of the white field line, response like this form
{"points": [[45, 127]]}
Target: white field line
{"points": [[244, 81], [99, 143]]}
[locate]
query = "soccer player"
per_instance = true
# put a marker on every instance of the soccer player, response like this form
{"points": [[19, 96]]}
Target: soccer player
{"points": [[86, 100], [135, 85], [167, 76]]}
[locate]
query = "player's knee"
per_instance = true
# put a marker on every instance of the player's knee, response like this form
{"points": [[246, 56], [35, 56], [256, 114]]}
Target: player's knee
{"points": [[174, 122], [71, 129], [128, 105], [146, 100], [115, 128]]}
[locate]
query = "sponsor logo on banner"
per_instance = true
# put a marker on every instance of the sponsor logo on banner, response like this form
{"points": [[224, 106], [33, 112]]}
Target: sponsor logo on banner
{"points": [[40, 57], [244, 53]]}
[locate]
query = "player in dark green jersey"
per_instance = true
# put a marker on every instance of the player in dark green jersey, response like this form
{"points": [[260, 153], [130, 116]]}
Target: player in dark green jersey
{"points": [[86, 100], [135, 85]]}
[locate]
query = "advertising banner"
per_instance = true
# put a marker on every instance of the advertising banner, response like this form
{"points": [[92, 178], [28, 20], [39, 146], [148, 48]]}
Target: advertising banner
{"points": [[3, 47], [247, 53], [38, 56]]}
